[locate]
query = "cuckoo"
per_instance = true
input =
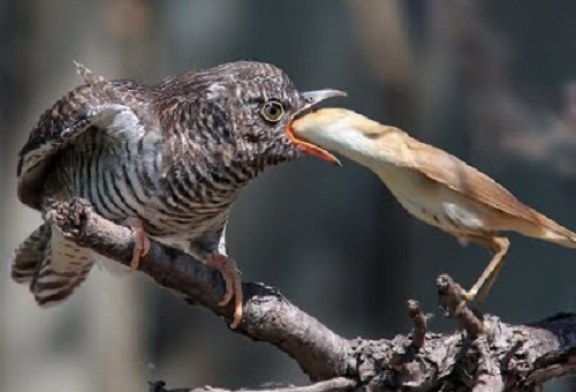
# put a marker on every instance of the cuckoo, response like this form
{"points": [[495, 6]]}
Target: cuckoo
{"points": [[168, 160]]}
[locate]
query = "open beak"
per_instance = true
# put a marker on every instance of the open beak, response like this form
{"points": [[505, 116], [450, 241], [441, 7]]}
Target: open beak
{"points": [[312, 98]]}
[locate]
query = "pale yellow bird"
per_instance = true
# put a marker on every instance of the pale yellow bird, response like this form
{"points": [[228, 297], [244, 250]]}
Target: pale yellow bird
{"points": [[430, 184]]}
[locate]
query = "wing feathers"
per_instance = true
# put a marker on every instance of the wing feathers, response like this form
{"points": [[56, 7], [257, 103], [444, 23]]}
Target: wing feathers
{"points": [[97, 104], [447, 169]]}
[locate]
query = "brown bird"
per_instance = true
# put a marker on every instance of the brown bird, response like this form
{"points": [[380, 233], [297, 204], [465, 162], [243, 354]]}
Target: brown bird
{"points": [[167, 159], [432, 185]]}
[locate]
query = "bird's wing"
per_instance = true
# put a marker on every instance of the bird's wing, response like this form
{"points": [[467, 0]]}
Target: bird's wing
{"points": [[99, 104], [448, 170]]}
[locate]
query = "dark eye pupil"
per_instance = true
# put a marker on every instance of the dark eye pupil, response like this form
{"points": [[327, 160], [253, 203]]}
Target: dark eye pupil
{"points": [[272, 111]]}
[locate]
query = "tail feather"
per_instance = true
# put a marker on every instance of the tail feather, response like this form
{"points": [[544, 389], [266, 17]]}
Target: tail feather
{"points": [[51, 286], [564, 238], [556, 233], [29, 254], [546, 229], [52, 266]]}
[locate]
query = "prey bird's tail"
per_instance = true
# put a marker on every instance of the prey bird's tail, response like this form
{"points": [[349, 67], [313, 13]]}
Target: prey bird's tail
{"points": [[557, 233], [563, 237], [52, 266], [546, 229]]}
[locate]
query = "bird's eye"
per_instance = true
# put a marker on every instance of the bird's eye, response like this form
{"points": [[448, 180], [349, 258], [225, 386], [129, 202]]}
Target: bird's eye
{"points": [[272, 111]]}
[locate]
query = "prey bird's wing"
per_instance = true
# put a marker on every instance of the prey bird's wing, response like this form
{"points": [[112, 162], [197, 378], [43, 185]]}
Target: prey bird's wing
{"points": [[448, 170], [107, 105]]}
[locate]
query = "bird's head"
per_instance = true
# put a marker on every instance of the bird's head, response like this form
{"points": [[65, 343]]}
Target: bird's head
{"points": [[340, 130], [257, 102]]}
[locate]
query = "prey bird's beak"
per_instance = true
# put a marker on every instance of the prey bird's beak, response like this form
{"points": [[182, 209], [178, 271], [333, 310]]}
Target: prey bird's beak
{"points": [[312, 98]]}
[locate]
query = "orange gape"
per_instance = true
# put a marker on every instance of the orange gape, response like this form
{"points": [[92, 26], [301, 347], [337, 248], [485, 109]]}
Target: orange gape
{"points": [[310, 148]]}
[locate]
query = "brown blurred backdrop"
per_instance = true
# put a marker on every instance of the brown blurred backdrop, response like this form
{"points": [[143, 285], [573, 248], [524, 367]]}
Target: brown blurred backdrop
{"points": [[493, 82]]}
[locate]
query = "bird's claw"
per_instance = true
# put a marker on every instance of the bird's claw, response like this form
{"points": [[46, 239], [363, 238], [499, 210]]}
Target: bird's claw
{"points": [[141, 242], [460, 307], [466, 297], [229, 292], [227, 267]]}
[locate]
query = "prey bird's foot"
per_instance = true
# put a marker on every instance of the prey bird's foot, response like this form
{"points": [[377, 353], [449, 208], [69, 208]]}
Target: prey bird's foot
{"points": [[227, 267], [466, 298], [460, 307], [141, 242]]}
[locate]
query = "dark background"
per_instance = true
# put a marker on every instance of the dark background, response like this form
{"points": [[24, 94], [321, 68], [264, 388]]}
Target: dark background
{"points": [[491, 81]]}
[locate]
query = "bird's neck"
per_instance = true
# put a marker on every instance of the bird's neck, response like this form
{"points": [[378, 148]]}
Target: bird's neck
{"points": [[257, 157], [228, 167]]}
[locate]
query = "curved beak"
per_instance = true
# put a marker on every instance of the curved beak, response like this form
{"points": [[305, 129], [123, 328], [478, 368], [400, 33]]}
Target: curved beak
{"points": [[312, 98]]}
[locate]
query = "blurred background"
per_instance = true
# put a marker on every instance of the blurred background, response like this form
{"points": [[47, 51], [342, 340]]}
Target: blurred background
{"points": [[493, 82]]}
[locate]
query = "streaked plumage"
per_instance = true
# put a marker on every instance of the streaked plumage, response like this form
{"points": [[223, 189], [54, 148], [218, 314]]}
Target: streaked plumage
{"points": [[433, 185], [175, 155]]}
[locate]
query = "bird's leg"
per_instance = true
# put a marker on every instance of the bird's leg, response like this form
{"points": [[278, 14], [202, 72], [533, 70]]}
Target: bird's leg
{"points": [[141, 241], [503, 245], [498, 245], [227, 267]]}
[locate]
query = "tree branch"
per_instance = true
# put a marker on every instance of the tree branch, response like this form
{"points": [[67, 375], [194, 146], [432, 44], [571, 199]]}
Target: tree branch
{"points": [[339, 384], [268, 316], [487, 355], [451, 296], [419, 320]]}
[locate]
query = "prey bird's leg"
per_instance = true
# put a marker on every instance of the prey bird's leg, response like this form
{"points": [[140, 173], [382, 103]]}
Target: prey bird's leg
{"points": [[227, 267], [498, 245], [141, 241], [503, 245]]}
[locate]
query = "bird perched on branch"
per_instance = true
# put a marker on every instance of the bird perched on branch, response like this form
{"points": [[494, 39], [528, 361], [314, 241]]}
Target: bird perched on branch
{"points": [[432, 185], [168, 160]]}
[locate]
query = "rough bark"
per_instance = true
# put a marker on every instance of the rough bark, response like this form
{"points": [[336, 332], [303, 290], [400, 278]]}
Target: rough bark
{"points": [[484, 354]]}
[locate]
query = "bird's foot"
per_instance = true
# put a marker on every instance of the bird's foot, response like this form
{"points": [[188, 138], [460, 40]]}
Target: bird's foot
{"points": [[466, 297], [141, 242], [227, 267]]}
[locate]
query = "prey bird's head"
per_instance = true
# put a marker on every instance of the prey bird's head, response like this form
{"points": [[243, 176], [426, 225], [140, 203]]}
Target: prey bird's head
{"points": [[340, 130], [249, 105]]}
